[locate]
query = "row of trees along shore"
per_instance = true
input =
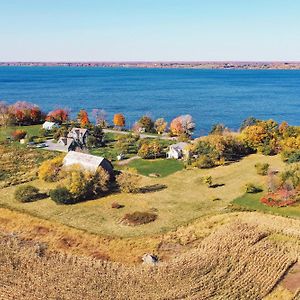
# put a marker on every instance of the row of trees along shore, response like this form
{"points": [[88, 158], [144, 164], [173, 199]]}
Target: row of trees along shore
{"points": [[266, 137]]}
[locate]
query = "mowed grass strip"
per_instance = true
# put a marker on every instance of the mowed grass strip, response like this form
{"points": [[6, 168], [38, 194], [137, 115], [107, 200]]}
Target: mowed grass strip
{"points": [[162, 167], [252, 202]]}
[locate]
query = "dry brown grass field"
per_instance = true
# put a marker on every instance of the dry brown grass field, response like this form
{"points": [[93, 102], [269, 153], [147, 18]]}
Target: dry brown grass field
{"points": [[235, 262]]}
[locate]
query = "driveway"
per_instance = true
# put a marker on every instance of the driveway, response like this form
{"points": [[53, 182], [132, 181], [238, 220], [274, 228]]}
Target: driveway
{"points": [[142, 135]]}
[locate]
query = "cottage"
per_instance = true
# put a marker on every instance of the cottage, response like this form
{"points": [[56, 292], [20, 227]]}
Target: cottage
{"points": [[178, 151], [79, 135], [88, 162], [50, 125]]}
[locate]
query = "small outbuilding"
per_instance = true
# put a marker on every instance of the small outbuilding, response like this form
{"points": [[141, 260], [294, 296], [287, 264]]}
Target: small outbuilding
{"points": [[88, 162], [50, 125], [178, 151]]}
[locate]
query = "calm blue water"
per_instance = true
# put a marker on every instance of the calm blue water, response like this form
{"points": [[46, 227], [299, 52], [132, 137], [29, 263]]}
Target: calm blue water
{"points": [[210, 96]]}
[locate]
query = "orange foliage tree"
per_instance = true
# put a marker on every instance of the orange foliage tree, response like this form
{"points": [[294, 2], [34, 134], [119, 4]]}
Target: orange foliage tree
{"points": [[83, 118], [176, 126], [58, 115], [119, 120]]}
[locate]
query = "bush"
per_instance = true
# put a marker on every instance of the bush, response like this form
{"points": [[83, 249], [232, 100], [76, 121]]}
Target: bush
{"points": [[291, 156], [139, 218], [253, 189], [262, 168], [128, 182], [50, 169], [27, 193], [116, 205], [62, 195], [203, 162], [18, 134]]}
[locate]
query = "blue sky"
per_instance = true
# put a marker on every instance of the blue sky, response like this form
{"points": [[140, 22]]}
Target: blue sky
{"points": [[144, 30]]}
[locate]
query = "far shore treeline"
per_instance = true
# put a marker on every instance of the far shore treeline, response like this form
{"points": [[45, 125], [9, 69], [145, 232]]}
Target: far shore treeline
{"points": [[266, 137]]}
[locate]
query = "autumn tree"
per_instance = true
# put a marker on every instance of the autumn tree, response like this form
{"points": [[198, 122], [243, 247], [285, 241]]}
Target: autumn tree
{"points": [[176, 127], [100, 116], [83, 118], [182, 125], [160, 125], [151, 149], [59, 115], [146, 123], [6, 117], [119, 120]]}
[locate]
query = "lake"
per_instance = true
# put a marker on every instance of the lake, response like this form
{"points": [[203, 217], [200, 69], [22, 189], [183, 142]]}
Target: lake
{"points": [[210, 96]]}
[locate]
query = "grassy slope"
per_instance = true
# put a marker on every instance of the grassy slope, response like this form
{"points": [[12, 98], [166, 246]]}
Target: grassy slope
{"points": [[184, 200]]}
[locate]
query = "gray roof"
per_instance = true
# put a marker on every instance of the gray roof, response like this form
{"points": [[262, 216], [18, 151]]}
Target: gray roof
{"points": [[87, 161], [179, 146], [81, 131], [66, 141]]}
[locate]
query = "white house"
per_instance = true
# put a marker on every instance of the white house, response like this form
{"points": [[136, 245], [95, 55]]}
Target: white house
{"points": [[88, 162], [178, 151], [49, 125]]}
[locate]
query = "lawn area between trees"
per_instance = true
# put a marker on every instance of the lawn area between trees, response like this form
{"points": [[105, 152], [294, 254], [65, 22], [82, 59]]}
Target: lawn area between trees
{"points": [[160, 167], [252, 202], [32, 130], [183, 198]]}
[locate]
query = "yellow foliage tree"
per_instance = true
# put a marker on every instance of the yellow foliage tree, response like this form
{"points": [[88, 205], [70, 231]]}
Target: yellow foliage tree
{"points": [[50, 169]]}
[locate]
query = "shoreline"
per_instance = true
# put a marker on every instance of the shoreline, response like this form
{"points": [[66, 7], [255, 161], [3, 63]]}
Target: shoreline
{"points": [[282, 65]]}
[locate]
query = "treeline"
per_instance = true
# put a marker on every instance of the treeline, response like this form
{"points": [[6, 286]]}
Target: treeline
{"points": [[254, 136]]}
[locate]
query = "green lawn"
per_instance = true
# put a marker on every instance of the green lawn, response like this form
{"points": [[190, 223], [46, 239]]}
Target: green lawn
{"points": [[252, 202], [163, 167], [32, 130]]}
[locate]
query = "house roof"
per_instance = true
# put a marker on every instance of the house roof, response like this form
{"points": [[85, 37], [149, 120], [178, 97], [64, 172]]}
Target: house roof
{"points": [[66, 141], [88, 161], [179, 146], [49, 124], [81, 131]]}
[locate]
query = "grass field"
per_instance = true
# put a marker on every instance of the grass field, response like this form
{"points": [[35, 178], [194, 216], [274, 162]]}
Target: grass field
{"points": [[32, 130], [163, 167], [252, 202], [180, 198]]}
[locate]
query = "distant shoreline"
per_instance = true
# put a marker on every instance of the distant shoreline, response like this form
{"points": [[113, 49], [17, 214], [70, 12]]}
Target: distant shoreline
{"points": [[282, 65]]}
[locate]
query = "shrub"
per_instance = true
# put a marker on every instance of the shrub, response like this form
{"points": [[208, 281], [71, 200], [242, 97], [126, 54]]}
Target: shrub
{"points": [[116, 205], [50, 169], [203, 162], [207, 180], [62, 195], [139, 218], [18, 134], [262, 168], [252, 189], [291, 156], [128, 182], [26, 193]]}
